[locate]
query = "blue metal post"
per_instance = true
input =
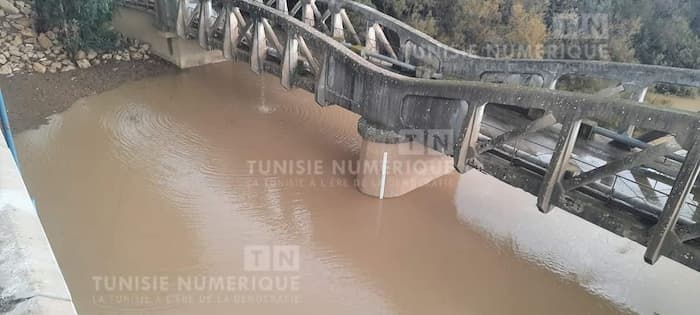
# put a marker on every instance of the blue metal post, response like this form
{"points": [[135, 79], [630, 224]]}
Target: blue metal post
{"points": [[5, 123]]}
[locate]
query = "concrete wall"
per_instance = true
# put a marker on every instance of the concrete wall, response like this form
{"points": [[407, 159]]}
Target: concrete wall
{"points": [[31, 281]]}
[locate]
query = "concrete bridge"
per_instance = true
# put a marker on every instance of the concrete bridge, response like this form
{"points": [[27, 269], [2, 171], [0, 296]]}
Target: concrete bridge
{"points": [[503, 117]]}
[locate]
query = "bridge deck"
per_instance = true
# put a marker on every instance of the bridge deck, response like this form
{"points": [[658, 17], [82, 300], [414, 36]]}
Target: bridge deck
{"points": [[645, 183]]}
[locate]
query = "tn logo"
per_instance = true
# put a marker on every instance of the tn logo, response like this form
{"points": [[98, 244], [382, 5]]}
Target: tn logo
{"points": [[271, 258]]}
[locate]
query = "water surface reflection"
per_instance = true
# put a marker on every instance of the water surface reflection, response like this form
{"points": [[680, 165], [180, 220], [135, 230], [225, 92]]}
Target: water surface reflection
{"points": [[153, 178]]}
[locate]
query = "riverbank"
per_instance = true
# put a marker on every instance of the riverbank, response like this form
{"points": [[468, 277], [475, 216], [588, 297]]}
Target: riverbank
{"points": [[39, 77], [32, 97]]}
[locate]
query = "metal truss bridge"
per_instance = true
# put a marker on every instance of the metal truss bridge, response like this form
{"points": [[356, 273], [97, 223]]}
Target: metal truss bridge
{"points": [[507, 117]]}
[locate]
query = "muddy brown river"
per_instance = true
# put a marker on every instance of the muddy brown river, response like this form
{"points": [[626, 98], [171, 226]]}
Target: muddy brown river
{"points": [[163, 197]]}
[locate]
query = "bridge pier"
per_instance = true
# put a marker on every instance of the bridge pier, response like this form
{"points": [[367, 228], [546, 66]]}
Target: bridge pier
{"points": [[391, 165], [166, 44]]}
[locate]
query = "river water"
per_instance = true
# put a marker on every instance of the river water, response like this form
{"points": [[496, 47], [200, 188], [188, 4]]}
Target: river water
{"points": [[162, 197]]}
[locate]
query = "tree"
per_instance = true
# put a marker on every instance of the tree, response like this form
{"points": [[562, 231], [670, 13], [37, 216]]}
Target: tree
{"points": [[663, 32], [666, 37], [474, 22], [526, 28]]}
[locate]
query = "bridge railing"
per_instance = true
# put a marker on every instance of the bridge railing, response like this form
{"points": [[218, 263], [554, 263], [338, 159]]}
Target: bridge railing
{"points": [[366, 74], [418, 47], [431, 56], [414, 48]]}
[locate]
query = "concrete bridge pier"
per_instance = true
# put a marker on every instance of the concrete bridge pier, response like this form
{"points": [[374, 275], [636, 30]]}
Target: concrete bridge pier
{"points": [[392, 165], [166, 44]]}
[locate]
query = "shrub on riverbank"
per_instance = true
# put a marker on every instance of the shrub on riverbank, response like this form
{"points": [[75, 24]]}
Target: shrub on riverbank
{"points": [[83, 24]]}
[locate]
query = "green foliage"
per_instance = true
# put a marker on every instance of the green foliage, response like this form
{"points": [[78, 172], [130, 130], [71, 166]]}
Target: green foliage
{"points": [[83, 24], [474, 24], [670, 89], [662, 32], [666, 37]]}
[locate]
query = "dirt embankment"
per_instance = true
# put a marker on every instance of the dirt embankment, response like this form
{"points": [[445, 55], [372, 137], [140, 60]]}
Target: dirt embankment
{"points": [[32, 97], [39, 79]]}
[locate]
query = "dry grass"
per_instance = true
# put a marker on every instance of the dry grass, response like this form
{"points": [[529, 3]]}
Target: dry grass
{"points": [[691, 104]]}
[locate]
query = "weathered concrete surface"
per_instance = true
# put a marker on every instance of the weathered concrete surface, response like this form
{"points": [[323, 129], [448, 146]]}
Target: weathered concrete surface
{"points": [[185, 53], [409, 166], [30, 279]]}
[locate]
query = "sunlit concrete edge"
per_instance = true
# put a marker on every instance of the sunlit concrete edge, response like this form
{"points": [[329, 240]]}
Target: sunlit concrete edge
{"points": [[31, 281]]}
